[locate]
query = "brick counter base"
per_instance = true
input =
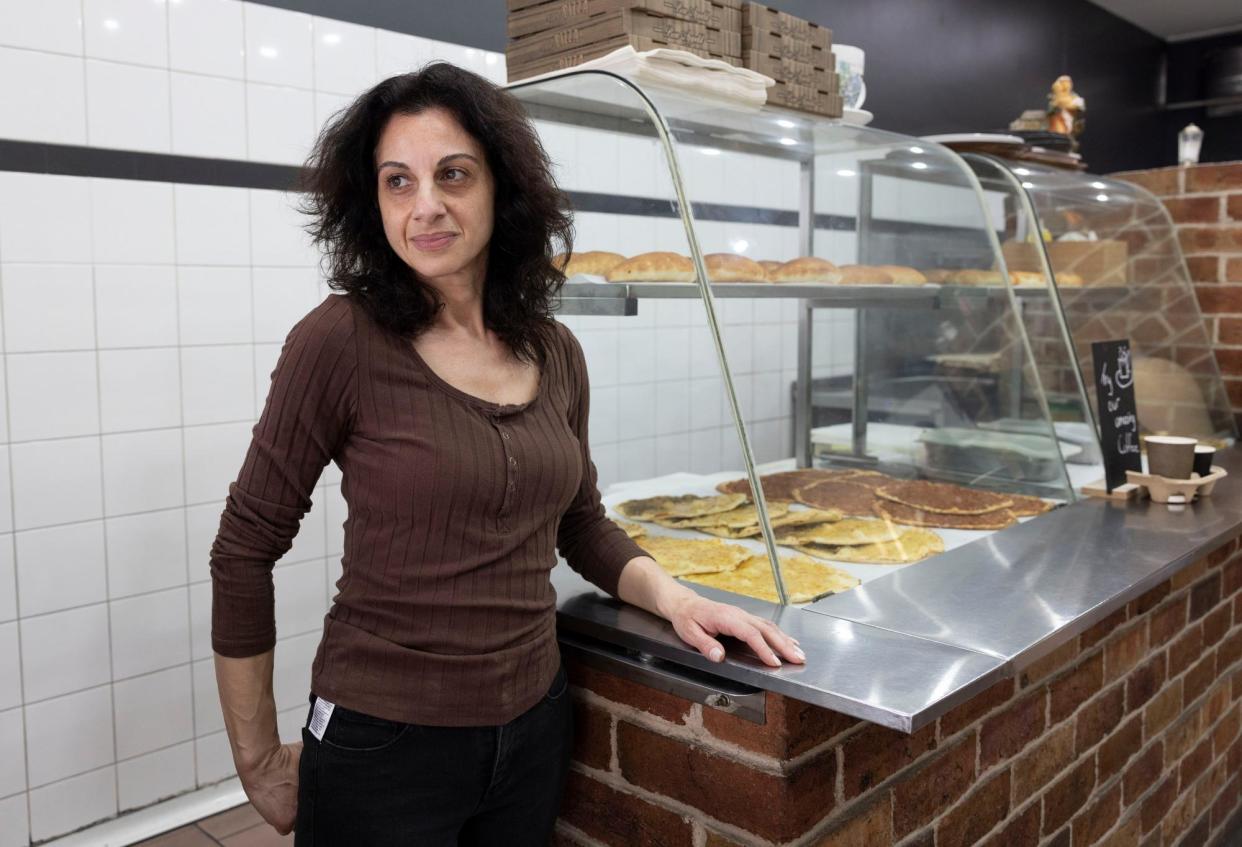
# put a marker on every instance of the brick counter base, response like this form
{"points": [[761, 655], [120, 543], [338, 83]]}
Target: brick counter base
{"points": [[1128, 736]]}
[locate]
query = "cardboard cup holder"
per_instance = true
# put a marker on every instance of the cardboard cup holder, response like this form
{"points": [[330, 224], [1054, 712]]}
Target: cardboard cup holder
{"points": [[1164, 490]]}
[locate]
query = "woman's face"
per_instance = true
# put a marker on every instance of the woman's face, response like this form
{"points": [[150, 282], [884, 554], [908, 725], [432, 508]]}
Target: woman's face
{"points": [[436, 194]]}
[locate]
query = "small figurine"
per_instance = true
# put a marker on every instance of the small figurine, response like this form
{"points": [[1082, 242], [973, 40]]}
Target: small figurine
{"points": [[1065, 110]]}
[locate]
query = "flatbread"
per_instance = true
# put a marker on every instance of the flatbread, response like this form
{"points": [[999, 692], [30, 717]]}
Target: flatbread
{"points": [[944, 497], [845, 496], [681, 556], [804, 517], [805, 579], [900, 513], [1025, 506], [783, 484], [743, 516], [633, 530], [913, 545], [684, 505], [846, 532], [871, 479]]}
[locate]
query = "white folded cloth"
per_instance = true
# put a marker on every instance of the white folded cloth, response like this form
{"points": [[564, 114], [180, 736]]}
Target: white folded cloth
{"points": [[680, 70]]}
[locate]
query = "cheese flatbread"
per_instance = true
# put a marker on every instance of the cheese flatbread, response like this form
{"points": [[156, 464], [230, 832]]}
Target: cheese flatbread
{"points": [[840, 533], [805, 579], [913, 545], [684, 505], [681, 556], [805, 517]]}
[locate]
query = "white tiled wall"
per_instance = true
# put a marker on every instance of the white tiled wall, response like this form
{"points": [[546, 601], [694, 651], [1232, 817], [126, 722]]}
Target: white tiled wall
{"points": [[139, 326]]}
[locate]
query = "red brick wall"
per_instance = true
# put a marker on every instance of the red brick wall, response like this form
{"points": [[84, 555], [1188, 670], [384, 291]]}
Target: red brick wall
{"points": [[1205, 202], [1128, 736]]}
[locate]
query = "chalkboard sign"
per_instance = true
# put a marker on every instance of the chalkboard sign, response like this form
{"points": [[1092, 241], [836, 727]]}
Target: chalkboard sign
{"points": [[1114, 391]]}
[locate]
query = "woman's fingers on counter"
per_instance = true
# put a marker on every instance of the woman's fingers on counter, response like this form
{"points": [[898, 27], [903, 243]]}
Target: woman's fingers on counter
{"points": [[699, 620]]}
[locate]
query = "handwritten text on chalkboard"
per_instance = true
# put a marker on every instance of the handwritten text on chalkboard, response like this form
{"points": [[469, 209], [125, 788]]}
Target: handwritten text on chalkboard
{"points": [[1119, 426]]}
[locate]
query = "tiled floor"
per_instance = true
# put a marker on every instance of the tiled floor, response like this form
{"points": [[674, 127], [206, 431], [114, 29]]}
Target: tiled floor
{"points": [[238, 827]]}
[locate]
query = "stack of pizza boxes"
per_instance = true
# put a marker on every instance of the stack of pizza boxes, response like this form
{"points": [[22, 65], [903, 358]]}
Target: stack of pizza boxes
{"points": [[797, 54], [550, 35]]}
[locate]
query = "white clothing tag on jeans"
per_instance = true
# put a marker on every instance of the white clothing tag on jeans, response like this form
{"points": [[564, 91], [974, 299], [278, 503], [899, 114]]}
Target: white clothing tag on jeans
{"points": [[320, 717]]}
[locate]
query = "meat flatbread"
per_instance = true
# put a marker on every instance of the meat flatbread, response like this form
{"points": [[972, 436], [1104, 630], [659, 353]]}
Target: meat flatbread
{"points": [[781, 485], [743, 516], [900, 513], [805, 579], [681, 556], [843, 495], [845, 532], [685, 505], [943, 497], [913, 545], [1025, 506]]}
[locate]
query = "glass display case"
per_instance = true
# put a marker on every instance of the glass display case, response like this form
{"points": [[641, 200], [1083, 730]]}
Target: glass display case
{"points": [[747, 270], [1112, 251]]}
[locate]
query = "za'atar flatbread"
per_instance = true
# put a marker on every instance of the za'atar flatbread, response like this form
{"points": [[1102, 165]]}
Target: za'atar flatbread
{"points": [[684, 505], [742, 516]]}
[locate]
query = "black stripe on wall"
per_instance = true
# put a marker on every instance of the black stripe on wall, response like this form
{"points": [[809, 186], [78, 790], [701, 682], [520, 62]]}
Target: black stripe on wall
{"points": [[69, 160]]}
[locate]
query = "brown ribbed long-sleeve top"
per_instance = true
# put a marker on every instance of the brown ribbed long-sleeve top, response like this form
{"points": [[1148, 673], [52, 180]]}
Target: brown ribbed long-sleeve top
{"points": [[445, 613]]}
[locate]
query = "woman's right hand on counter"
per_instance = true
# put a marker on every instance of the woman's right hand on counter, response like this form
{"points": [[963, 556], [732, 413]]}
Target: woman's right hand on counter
{"points": [[272, 786]]}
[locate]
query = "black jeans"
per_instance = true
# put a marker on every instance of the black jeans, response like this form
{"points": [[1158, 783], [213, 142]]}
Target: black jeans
{"points": [[378, 783]]}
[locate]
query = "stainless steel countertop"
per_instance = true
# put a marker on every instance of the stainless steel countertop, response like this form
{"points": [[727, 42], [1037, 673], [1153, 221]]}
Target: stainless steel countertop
{"points": [[903, 649]]}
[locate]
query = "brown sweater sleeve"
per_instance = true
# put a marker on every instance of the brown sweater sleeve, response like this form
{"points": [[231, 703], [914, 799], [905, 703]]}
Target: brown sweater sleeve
{"points": [[592, 544], [309, 411]]}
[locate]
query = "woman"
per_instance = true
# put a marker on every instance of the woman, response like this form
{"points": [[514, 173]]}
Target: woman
{"points": [[456, 409]]}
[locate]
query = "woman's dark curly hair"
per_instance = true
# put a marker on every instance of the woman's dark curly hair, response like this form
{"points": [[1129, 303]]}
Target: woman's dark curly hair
{"points": [[530, 217]]}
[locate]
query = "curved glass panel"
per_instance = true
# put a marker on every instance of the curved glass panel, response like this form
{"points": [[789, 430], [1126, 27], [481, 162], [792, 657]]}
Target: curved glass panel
{"points": [[1042, 314], [1119, 272], [865, 370]]}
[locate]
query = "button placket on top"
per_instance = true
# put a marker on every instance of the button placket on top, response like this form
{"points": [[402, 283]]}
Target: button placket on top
{"points": [[511, 464]]}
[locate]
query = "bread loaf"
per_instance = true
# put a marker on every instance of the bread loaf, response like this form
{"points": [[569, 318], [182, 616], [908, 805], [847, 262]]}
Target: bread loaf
{"points": [[653, 267], [805, 269], [730, 267], [863, 275], [596, 262]]}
